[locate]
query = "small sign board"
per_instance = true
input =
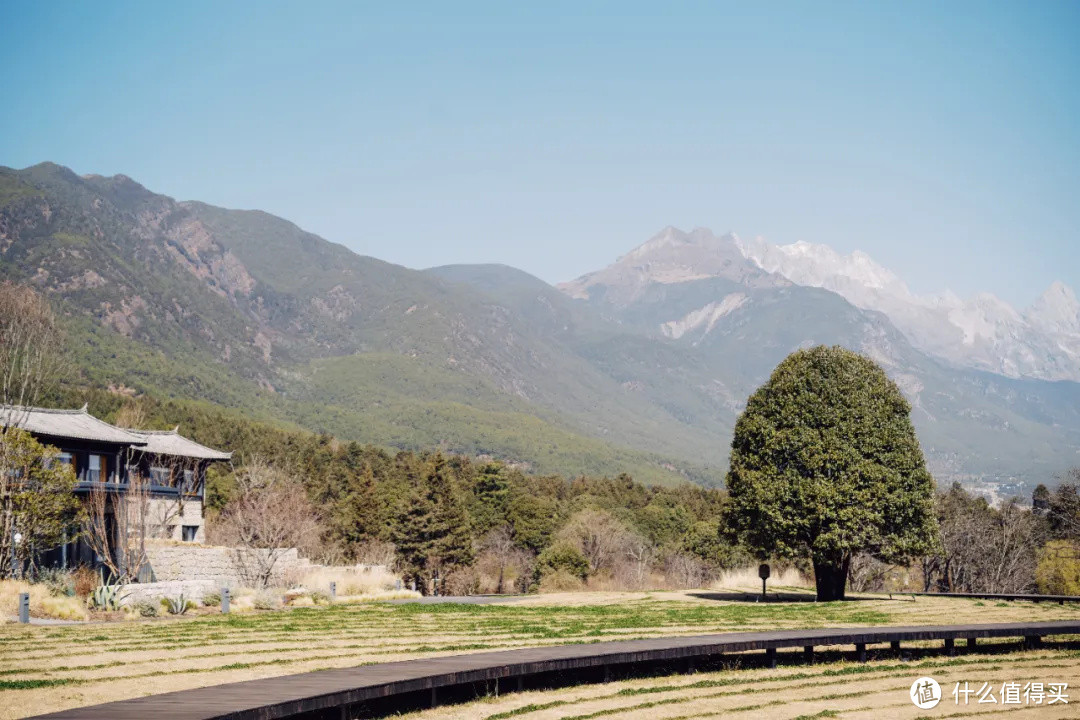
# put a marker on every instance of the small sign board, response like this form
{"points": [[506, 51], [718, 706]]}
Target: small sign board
{"points": [[763, 571]]}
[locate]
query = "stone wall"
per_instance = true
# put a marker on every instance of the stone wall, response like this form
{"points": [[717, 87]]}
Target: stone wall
{"points": [[207, 565], [154, 591]]}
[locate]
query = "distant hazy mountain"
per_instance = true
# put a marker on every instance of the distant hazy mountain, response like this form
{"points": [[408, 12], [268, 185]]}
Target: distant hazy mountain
{"points": [[641, 367], [983, 332]]}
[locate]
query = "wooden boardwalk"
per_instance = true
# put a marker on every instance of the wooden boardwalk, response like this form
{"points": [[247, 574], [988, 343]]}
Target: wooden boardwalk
{"points": [[341, 693]]}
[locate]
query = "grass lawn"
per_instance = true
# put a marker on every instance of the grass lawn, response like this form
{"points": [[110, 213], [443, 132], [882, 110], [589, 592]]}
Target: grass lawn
{"points": [[46, 668]]}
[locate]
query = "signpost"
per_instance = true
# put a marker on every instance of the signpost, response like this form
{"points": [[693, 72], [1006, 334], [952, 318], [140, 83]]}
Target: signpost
{"points": [[763, 573], [225, 600]]}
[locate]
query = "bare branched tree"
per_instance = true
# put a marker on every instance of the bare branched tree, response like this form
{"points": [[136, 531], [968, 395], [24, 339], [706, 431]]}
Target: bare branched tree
{"points": [[117, 525], [683, 570], [600, 537], [501, 556], [639, 553], [375, 552], [30, 357], [1012, 553], [983, 549], [868, 574], [270, 515]]}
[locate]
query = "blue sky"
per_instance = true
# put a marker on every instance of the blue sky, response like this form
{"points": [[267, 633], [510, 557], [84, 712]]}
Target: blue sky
{"points": [[941, 138]]}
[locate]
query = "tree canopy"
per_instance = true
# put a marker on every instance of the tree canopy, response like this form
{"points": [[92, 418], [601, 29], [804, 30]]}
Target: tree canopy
{"points": [[825, 464]]}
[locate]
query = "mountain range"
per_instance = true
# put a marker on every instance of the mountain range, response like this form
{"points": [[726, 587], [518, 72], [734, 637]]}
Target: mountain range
{"points": [[641, 367]]}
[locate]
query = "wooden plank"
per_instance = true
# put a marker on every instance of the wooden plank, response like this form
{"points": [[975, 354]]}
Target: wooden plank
{"points": [[290, 695]]}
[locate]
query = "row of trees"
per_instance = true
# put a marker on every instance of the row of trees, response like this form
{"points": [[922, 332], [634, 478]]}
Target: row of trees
{"points": [[457, 525]]}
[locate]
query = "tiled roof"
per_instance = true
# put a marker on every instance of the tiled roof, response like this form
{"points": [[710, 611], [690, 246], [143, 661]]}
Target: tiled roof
{"points": [[171, 442], [77, 424]]}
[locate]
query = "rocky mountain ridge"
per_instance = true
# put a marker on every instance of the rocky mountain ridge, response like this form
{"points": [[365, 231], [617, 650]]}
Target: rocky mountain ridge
{"points": [[982, 332]]}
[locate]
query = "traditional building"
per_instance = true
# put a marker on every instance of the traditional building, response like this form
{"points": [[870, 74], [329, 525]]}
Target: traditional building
{"points": [[168, 467], [176, 468]]}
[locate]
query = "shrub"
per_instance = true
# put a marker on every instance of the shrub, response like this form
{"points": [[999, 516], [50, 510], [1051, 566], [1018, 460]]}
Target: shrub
{"points": [[379, 597], [565, 558], [266, 601], [145, 608], [211, 599], [561, 581], [358, 580], [62, 608], [320, 598], [84, 580], [1058, 571], [462, 581], [57, 581], [292, 595]]}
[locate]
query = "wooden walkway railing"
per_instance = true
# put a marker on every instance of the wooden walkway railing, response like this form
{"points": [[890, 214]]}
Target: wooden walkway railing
{"points": [[342, 693]]}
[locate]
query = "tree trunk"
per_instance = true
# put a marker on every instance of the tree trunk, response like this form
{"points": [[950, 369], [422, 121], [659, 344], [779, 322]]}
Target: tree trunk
{"points": [[831, 578]]}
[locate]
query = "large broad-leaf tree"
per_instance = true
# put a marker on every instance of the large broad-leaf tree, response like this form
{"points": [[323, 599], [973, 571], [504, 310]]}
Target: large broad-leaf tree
{"points": [[825, 464]]}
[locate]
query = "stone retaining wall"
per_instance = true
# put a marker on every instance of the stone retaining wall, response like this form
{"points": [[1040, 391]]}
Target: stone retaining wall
{"points": [[207, 565], [154, 591]]}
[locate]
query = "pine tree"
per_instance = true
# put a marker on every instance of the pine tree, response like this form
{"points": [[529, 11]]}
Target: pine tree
{"points": [[432, 530], [490, 490]]}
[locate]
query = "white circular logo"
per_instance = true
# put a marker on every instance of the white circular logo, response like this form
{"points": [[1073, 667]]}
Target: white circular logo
{"points": [[925, 693]]}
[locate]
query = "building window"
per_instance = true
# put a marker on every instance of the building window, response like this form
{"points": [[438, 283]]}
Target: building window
{"points": [[189, 481], [189, 532], [94, 468], [159, 476]]}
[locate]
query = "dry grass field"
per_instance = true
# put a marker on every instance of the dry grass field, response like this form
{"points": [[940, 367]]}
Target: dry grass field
{"points": [[46, 668]]}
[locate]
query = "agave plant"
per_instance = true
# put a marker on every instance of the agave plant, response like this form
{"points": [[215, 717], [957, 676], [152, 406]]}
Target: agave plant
{"points": [[108, 597], [178, 605]]}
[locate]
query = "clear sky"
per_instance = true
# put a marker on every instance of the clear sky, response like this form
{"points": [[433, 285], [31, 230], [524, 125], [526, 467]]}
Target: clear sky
{"points": [[942, 138]]}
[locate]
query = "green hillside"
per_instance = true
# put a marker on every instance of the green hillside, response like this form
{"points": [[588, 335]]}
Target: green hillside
{"points": [[247, 311]]}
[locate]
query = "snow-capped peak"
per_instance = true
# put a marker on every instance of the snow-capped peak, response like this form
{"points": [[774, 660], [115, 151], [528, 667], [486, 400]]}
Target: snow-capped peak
{"points": [[1056, 310], [820, 266], [983, 331]]}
